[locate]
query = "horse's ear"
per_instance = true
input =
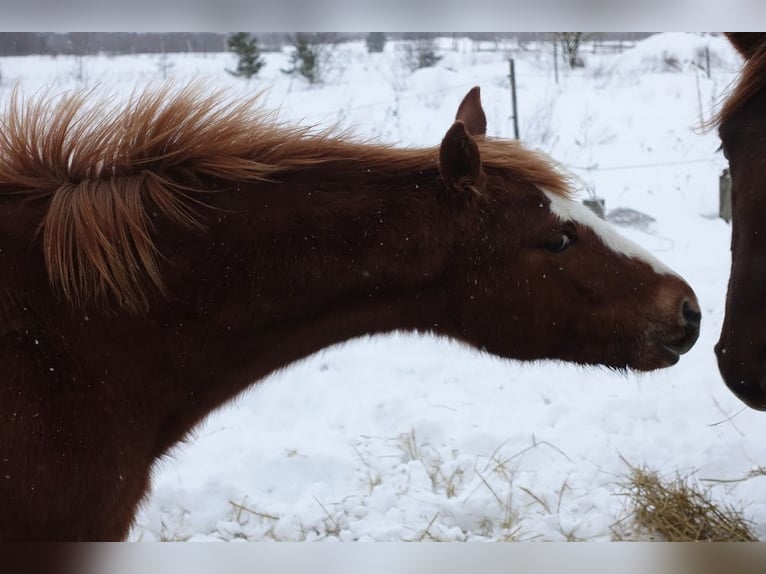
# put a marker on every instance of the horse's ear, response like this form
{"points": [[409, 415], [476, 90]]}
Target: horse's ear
{"points": [[747, 43], [459, 159], [471, 113]]}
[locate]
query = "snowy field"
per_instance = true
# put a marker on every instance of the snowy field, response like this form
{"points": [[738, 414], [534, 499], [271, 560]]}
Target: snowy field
{"points": [[411, 438]]}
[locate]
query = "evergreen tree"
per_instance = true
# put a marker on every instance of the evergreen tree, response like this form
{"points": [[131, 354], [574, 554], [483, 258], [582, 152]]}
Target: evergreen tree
{"points": [[245, 47], [309, 56]]}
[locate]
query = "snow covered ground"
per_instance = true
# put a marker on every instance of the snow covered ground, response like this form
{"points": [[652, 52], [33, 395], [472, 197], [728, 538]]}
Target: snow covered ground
{"points": [[408, 438]]}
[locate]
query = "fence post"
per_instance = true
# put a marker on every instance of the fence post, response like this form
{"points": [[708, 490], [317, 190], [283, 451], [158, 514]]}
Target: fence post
{"points": [[513, 99], [724, 196]]}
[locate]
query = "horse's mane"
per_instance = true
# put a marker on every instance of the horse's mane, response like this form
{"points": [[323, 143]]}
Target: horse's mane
{"points": [[100, 166], [751, 81]]}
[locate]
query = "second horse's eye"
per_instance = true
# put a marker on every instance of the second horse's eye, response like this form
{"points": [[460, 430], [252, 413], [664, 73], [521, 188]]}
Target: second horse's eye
{"points": [[559, 242], [723, 151]]}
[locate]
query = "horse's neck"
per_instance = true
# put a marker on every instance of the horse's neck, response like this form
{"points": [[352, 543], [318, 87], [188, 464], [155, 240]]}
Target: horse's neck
{"points": [[337, 259], [334, 264], [352, 246]]}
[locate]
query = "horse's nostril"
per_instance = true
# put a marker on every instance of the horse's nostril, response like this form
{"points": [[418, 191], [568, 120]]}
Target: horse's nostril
{"points": [[691, 313]]}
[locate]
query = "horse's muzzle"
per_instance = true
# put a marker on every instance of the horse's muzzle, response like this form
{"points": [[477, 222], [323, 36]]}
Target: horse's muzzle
{"points": [[691, 317], [744, 376]]}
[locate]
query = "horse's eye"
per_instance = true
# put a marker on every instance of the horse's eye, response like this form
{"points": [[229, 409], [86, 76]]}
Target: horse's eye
{"points": [[559, 242]]}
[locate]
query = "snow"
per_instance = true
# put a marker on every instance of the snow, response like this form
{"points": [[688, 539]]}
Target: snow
{"points": [[677, 52], [415, 438]]}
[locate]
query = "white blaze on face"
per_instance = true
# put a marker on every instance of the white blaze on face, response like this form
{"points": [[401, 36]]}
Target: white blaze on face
{"points": [[568, 210]]}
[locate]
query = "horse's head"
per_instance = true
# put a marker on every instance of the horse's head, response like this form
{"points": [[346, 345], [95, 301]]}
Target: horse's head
{"points": [[538, 275], [741, 349]]}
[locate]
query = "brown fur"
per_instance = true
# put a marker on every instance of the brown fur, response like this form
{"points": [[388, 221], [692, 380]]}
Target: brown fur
{"points": [[100, 167], [199, 246], [741, 349]]}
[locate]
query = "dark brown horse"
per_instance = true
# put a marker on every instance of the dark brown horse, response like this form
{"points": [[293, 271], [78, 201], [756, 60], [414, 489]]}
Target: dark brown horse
{"points": [[160, 257], [741, 350]]}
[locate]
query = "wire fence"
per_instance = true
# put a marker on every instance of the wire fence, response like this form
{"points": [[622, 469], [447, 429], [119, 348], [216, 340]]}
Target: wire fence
{"points": [[464, 86], [711, 159]]}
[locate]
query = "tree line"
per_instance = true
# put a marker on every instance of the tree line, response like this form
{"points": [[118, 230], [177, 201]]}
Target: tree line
{"points": [[84, 43]]}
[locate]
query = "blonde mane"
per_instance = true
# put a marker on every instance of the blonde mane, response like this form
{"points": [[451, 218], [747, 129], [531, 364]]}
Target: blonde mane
{"points": [[100, 165]]}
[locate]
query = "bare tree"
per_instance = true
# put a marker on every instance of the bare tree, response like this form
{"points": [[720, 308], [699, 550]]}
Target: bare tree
{"points": [[419, 51], [376, 41], [570, 43]]}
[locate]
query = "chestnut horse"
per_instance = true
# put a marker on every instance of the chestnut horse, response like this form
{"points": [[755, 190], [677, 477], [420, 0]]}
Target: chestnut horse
{"points": [[161, 256], [741, 349]]}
